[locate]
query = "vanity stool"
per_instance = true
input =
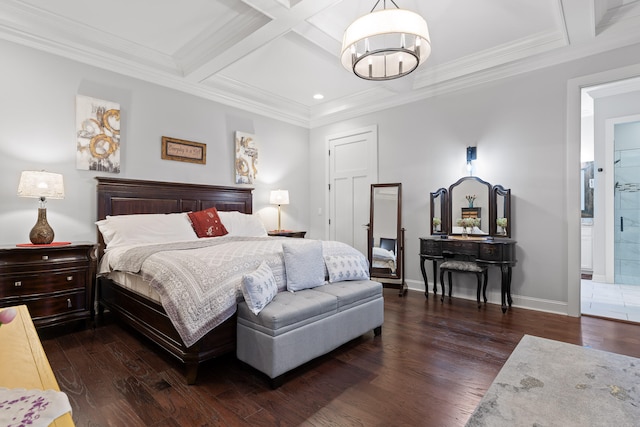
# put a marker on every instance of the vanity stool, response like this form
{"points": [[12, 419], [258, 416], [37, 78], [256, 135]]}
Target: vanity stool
{"points": [[460, 266]]}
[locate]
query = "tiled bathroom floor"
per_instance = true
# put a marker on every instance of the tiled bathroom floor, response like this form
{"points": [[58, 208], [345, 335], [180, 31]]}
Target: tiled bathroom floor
{"points": [[608, 300]]}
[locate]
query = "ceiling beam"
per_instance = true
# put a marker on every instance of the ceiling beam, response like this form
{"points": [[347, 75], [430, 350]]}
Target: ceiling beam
{"points": [[579, 20], [283, 20]]}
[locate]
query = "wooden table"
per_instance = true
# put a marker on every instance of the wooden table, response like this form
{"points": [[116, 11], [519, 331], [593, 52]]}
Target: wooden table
{"points": [[23, 363], [498, 252]]}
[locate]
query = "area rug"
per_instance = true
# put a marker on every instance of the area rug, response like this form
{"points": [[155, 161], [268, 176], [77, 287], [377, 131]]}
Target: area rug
{"points": [[549, 383]]}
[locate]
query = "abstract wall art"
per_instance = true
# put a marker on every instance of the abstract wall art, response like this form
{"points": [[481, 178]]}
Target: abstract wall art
{"points": [[97, 134], [246, 164]]}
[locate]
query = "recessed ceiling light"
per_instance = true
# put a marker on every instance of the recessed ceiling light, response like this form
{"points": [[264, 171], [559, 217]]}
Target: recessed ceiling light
{"points": [[318, 96]]}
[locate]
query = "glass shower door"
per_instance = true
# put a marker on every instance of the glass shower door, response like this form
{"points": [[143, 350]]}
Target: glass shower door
{"points": [[627, 203]]}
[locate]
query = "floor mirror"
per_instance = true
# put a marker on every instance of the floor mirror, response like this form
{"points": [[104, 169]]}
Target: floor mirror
{"points": [[386, 236]]}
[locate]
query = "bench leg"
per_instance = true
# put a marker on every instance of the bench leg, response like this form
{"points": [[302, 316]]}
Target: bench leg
{"points": [[442, 284], [450, 283], [377, 331]]}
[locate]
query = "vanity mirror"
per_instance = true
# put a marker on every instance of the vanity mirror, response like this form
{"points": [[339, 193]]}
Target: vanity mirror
{"points": [[439, 218], [469, 208], [386, 235], [502, 203], [485, 208]]}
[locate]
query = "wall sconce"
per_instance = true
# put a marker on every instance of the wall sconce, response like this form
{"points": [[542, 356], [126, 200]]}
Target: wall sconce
{"points": [[41, 184], [471, 155], [279, 197]]}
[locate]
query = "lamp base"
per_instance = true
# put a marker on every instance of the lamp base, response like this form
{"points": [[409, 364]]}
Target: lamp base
{"points": [[41, 233]]}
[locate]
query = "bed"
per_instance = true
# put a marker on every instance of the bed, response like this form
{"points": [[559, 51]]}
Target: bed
{"points": [[179, 258], [148, 317]]}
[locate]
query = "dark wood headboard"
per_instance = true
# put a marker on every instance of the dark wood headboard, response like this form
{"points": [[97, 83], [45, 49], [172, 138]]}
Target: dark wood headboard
{"points": [[118, 196]]}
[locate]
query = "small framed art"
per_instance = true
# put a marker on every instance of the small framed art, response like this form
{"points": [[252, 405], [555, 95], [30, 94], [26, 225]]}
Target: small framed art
{"points": [[183, 151]]}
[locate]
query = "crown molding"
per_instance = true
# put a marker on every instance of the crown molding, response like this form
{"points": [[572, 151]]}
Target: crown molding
{"points": [[29, 26]]}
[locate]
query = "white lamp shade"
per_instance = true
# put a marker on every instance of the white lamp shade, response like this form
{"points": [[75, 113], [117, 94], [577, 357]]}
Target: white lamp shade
{"points": [[385, 44], [40, 184], [279, 197]]}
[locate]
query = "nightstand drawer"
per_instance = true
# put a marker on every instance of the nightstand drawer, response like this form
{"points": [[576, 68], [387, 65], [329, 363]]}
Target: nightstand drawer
{"points": [[55, 306], [25, 256], [42, 283]]}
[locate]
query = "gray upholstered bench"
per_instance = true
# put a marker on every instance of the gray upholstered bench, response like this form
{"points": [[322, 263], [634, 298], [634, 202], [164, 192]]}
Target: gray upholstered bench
{"points": [[295, 328], [465, 267]]}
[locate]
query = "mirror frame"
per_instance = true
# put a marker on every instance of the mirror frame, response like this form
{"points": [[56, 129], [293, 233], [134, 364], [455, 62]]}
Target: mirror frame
{"points": [[444, 216], [489, 201], [399, 234], [500, 191]]}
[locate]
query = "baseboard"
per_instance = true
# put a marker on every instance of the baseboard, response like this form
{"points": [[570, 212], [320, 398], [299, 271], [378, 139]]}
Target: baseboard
{"points": [[494, 297]]}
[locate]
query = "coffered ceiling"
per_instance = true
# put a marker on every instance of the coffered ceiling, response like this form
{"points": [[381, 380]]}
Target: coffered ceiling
{"points": [[272, 56]]}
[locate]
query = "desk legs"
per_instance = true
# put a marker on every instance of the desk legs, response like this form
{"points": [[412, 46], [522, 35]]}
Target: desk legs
{"points": [[505, 287], [424, 276]]}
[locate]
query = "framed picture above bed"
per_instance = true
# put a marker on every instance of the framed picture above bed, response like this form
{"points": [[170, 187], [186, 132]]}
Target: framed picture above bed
{"points": [[97, 134], [246, 162], [183, 151]]}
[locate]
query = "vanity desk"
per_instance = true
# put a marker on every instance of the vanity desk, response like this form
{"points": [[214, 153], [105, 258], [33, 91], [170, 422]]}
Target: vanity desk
{"points": [[498, 252], [458, 230]]}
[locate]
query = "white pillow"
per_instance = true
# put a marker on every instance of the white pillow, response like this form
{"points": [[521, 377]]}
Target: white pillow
{"points": [[259, 288], [346, 267], [239, 224], [303, 264], [122, 230]]}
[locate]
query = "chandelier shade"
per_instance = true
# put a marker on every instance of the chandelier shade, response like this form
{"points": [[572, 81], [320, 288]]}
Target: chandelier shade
{"points": [[385, 44]]}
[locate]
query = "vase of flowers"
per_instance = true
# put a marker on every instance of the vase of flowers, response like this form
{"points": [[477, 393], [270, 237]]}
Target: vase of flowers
{"points": [[467, 224], [470, 199], [502, 226], [436, 223]]}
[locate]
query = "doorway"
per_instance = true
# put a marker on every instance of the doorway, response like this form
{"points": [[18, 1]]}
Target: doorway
{"points": [[611, 288]]}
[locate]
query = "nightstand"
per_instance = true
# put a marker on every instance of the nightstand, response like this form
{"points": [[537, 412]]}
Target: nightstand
{"points": [[56, 283], [287, 233]]}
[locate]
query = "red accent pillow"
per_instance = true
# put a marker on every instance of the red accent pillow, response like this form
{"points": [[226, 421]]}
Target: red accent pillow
{"points": [[207, 223]]}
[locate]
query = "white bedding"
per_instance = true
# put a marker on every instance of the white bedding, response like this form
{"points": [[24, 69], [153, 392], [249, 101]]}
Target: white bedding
{"points": [[383, 258], [199, 281]]}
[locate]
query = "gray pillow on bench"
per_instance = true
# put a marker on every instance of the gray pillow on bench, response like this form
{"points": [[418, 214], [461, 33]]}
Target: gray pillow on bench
{"points": [[303, 264]]}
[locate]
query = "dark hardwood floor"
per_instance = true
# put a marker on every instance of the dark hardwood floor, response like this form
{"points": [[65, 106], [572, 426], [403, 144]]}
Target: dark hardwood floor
{"points": [[430, 367]]}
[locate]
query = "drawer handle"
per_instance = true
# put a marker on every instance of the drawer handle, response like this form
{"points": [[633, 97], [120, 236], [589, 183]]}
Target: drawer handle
{"points": [[69, 305], [45, 257], [17, 284], [69, 278]]}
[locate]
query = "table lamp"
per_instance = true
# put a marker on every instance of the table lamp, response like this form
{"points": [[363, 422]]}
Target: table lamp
{"points": [[41, 184], [279, 197]]}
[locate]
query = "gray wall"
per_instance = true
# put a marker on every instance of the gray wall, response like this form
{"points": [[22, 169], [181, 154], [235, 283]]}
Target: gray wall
{"points": [[37, 110], [519, 125]]}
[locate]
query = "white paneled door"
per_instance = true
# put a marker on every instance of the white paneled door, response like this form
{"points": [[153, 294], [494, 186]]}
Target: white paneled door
{"points": [[353, 167]]}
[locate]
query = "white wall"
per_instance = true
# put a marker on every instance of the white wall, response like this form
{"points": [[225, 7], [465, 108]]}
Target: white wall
{"points": [[37, 111], [519, 126]]}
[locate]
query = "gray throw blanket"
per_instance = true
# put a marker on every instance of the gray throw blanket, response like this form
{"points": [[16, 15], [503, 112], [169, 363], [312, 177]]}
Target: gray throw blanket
{"points": [[199, 282]]}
